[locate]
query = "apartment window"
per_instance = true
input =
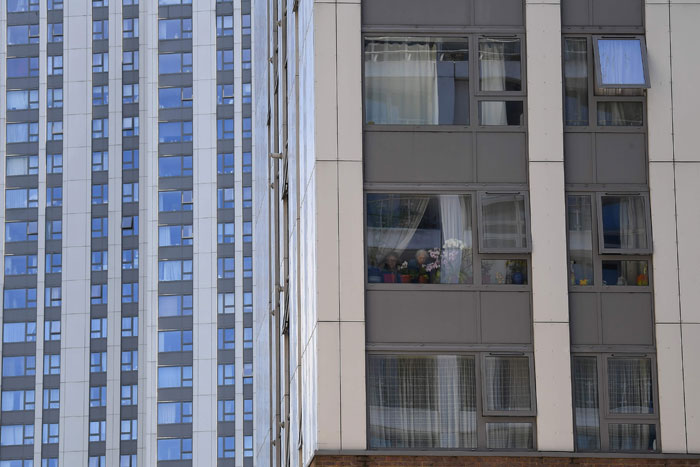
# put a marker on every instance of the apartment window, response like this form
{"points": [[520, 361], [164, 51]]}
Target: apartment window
{"points": [[98, 294], [98, 328], [97, 461], [224, 26], [618, 415], [174, 341], [130, 28], [23, 100], [130, 259], [224, 94], [225, 232], [130, 60], [17, 6], [22, 67], [54, 131], [52, 330], [21, 231], [55, 5], [130, 2], [174, 412], [98, 396], [247, 373], [24, 34], [224, 163], [54, 163], [170, 98], [247, 93], [174, 376], [54, 196], [175, 166], [225, 198], [226, 410], [18, 332], [245, 25], [245, 59], [247, 409], [129, 394], [224, 60], [248, 446], [130, 159], [100, 29], [54, 98], [22, 132], [100, 62], [100, 95], [49, 433], [247, 266], [130, 93], [174, 305], [16, 435], [175, 270], [100, 161], [129, 430], [98, 431], [22, 165], [226, 374], [226, 447], [20, 264], [180, 28], [130, 292], [49, 462], [100, 128], [53, 262], [130, 192], [247, 232], [175, 235], [175, 132], [171, 449], [130, 226], [54, 229], [247, 197], [100, 194], [99, 227], [226, 303], [175, 63], [620, 62], [174, 2], [23, 365], [247, 302], [171, 201], [503, 223], [226, 338], [51, 398], [130, 360], [226, 268], [130, 326], [19, 298], [54, 65], [247, 127], [247, 338], [98, 362]]}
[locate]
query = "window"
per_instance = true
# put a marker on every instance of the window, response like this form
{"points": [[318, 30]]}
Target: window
{"points": [[53, 262], [129, 430], [170, 449], [52, 330], [247, 197], [225, 233], [130, 292], [247, 302], [54, 163], [248, 446], [100, 95], [247, 373], [130, 326], [19, 298], [224, 26], [174, 305], [98, 328], [54, 196], [20, 231], [224, 128], [245, 24], [226, 303], [51, 398], [224, 164], [20, 264], [174, 341], [54, 65], [22, 132], [224, 94], [620, 62], [245, 59], [174, 2], [130, 159], [175, 166], [224, 60], [54, 131], [171, 201], [247, 266], [99, 260], [100, 128], [130, 259], [175, 132], [54, 229], [130, 93], [175, 235], [226, 339], [507, 385], [226, 447], [247, 232], [98, 294], [17, 400], [130, 360], [225, 198], [55, 32], [19, 332], [98, 396], [174, 376], [100, 62], [623, 221], [49, 434], [98, 431], [130, 192], [247, 93], [226, 374], [129, 394], [130, 28], [247, 409], [226, 268], [54, 98], [100, 161], [247, 127], [100, 194], [175, 63], [16, 6], [23, 365], [175, 270], [247, 338], [170, 98], [49, 462], [504, 224], [22, 165], [23, 100], [128, 460], [130, 60], [22, 67], [98, 362], [226, 410], [130, 226], [100, 29], [55, 5], [97, 461], [174, 412], [99, 227], [627, 402], [16, 435], [180, 28]]}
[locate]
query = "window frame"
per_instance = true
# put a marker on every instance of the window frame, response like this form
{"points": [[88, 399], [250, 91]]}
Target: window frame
{"points": [[480, 222], [602, 250], [596, 64]]}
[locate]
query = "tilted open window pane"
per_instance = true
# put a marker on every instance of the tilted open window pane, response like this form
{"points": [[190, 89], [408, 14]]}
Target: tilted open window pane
{"points": [[623, 220], [500, 64], [507, 384], [621, 62], [422, 402], [575, 59], [503, 223], [417, 81], [419, 238], [586, 405]]}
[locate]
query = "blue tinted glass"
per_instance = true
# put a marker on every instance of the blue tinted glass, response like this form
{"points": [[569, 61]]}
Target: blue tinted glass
{"points": [[17, 35], [169, 341], [169, 201], [169, 98], [169, 305], [621, 62], [169, 167], [15, 231], [169, 63], [168, 377], [169, 132]]}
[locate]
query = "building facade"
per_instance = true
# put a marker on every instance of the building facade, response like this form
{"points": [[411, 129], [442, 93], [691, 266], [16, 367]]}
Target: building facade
{"points": [[126, 148], [481, 219]]}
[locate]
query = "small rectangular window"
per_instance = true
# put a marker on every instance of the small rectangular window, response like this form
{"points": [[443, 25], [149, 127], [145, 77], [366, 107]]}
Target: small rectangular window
{"points": [[129, 430], [621, 62], [623, 221], [504, 225], [507, 385]]}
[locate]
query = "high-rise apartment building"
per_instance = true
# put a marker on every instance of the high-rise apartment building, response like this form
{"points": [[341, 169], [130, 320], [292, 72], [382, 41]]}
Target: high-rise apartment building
{"points": [[126, 142], [482, 218]]}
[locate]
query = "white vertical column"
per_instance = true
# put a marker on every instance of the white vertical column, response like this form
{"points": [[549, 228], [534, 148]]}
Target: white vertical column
{"points": [[75, 310], [550, 306], [204, 368]]}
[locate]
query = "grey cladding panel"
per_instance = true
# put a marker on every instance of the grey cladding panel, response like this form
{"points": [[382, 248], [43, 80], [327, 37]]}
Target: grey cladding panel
{"points": [[418, 157], [578, 157], [498, 12], [602, 13], [417, 12], [621, 158], [501, 158], [421, 316], [627, 319], [505, 318], [575, 13], [583, 311]]}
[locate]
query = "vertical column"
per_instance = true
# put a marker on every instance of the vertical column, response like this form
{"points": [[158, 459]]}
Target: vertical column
{"points": [[550, 307], [204, 367], [75, 312]]}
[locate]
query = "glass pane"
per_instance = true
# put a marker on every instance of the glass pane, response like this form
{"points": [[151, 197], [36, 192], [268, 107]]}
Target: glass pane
{"points": [[503, 221], [419, 238], [504, 271], [630, 386], [422, 402], [580, 237], [509, 435], [501, 113], [632, 437], [417, 81], [626, 273], [576, 81], [620, 114], [507, 383], [624, 222], [586, 409], [499, 64], [621, 62]]}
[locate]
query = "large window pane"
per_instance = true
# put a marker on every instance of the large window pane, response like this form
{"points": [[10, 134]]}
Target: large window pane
{"points": [[507, 384], [580, 237], [621, 62], [586, 408], [632, 437], [575, 58], [419, 238], [630, 386], [499, 64], [417, 81], [422, 402], [624, 223], [503, 222]]}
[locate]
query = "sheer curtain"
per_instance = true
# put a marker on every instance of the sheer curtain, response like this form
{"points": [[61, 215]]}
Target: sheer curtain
{"points": [[401, 82], [492, 64], [586, 403], [625, 229], [576, 80], [630, 386], [455, 216], [504, 221], [169, 270], [169, 413], [507, 384], [621, 61], [509, 435]]}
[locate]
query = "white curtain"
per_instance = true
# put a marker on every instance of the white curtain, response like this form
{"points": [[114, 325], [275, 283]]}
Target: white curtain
{"points": [[493, 78], [621, 61], [401, 82], [17, 132], [455, 216], [630, 386], [17, 100], [507, 383], [169, 377], [632, 220], [383, 240], [632, 437], [509, 435], [17, 165], [586, 406], [12, 435], [169, 270], [169, 413]]}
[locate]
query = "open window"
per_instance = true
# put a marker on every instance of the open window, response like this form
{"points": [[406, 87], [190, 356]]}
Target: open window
{"points": [[620, 62], [623, 221]]}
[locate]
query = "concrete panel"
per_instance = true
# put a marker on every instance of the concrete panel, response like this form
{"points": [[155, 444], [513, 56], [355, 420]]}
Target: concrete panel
{"points": [[578, 158], [350, 244], [417, 12], [327, 267], [585, 318], [327, 398], [669, 361], [501, 158], [349, 63], [687, 194], [627, 319], [352, 383], [505, 318], [691, 377], [621, 158]]}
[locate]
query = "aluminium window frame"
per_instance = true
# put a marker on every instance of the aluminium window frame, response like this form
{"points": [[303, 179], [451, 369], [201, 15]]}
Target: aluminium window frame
{"points": [[647, 219], [596, 64], [480, 222], [532, 412]]}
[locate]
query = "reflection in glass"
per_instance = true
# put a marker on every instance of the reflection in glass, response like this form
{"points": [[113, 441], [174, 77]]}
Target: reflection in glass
{"points": [[624, 222], [620, 113], [417, 81], [504, 271], [580, 237], [503, 221], [632, 437], [625, 272], [419, 238], [507, 383], [499, 64], [576, 81], [422, 401], [509, 436], [586, 413], [501, 113], [630, 386], [621, 62]]}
